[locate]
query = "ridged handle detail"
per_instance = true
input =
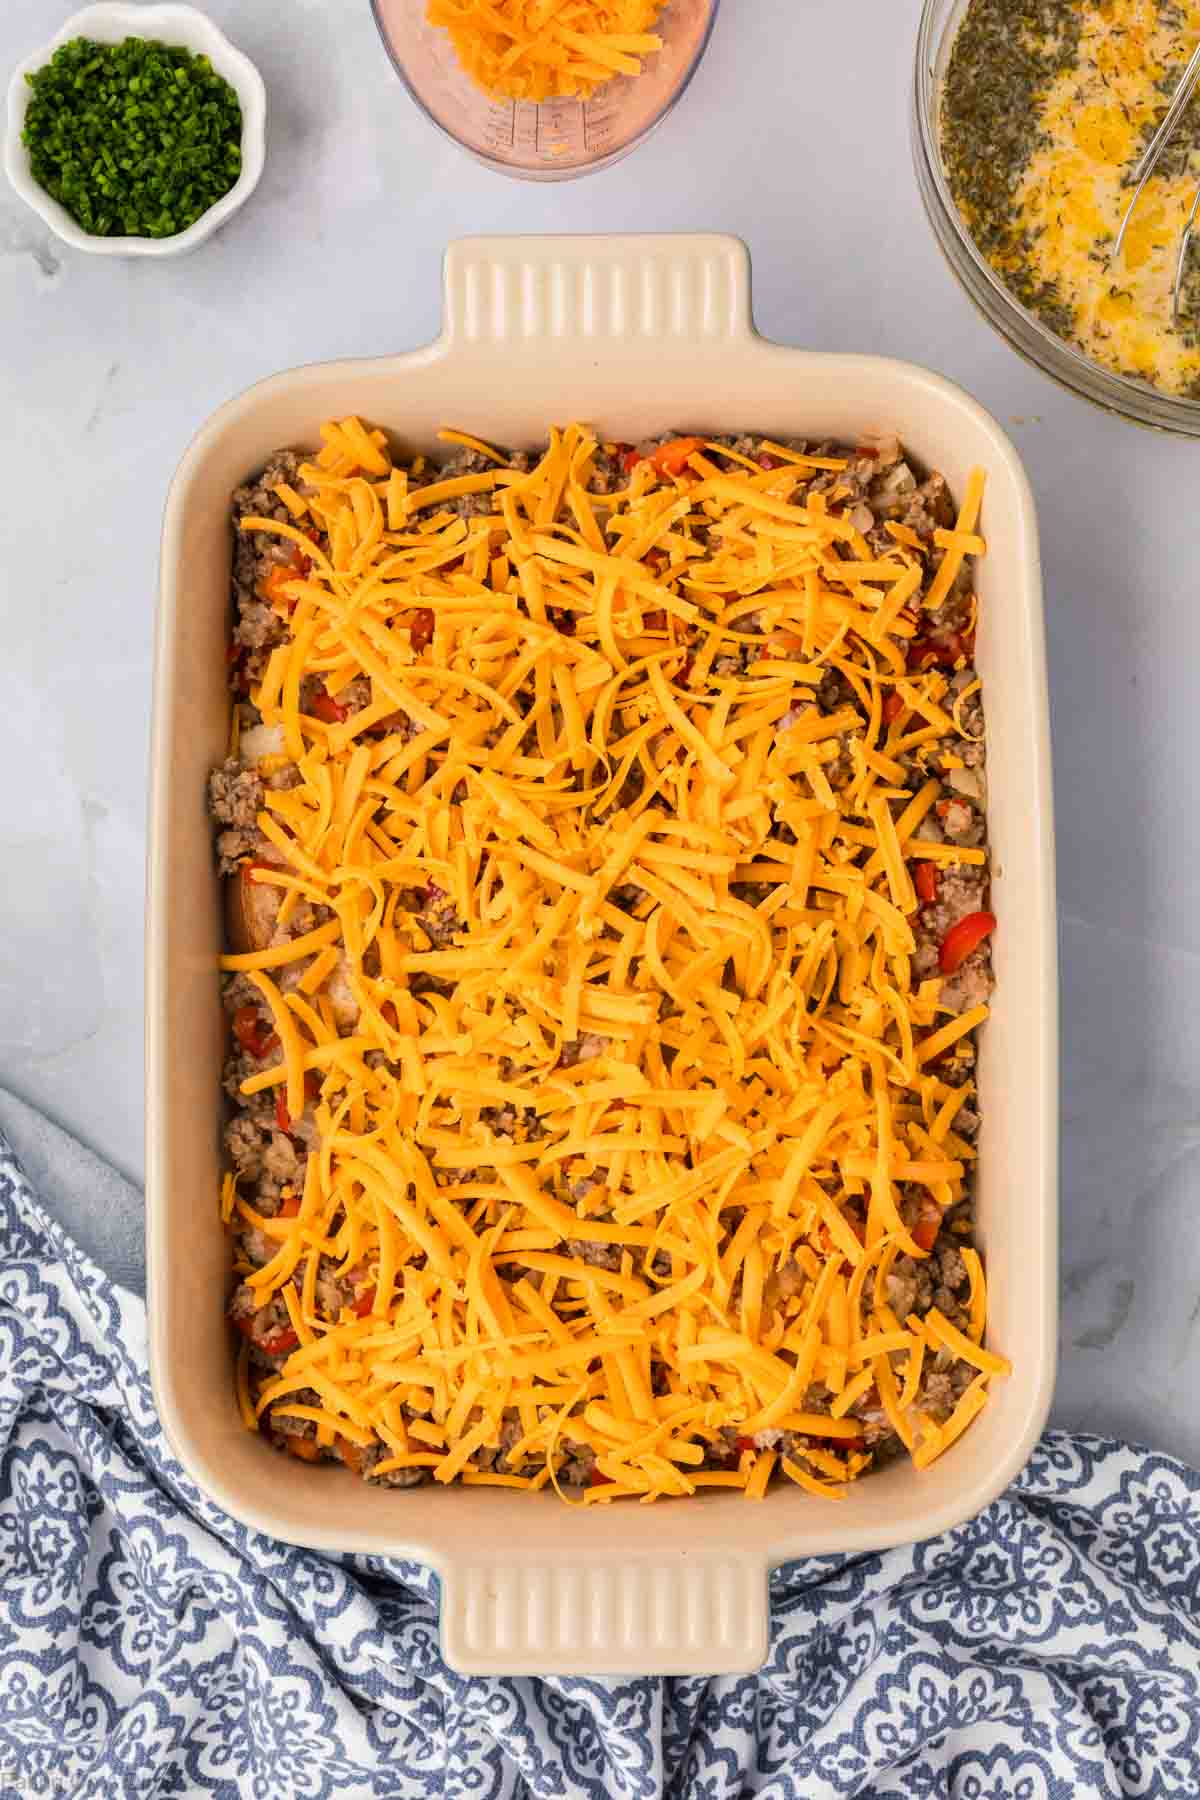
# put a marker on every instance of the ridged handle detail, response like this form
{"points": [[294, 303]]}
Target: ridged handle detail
{"points": [[685, 293], [678, 1615]]}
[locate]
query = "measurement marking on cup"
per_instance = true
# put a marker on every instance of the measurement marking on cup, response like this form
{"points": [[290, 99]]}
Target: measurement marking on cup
{"points": [[563, 122]]}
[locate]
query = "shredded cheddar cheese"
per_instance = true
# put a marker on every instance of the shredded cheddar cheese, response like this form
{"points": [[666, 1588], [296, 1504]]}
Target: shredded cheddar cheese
{"points": [[620, 1079], [528, 50]]}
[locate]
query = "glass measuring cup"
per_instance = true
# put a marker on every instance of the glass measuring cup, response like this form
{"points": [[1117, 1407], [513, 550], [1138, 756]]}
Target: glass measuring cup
{"points": [[555, 139]]}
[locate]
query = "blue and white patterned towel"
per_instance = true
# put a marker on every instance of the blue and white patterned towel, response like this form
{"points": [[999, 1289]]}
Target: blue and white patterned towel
{"points": [[1050, 1650]]}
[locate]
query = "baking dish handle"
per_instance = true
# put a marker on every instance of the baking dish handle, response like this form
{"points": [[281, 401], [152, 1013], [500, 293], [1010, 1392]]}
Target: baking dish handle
{"points": [[676, 296], [674, 1614]]}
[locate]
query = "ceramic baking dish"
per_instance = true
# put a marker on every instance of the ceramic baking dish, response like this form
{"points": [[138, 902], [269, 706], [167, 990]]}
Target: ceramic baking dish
{"points": [[636, 335]]}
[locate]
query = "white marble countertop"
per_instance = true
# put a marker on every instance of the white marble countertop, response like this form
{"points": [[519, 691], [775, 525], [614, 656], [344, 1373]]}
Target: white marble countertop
{"points": [[109, 366]]}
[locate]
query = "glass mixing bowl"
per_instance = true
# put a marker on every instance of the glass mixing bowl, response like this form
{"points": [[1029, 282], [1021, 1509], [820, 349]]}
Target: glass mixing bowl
{"points": [[556, 139], [1122, 394]]}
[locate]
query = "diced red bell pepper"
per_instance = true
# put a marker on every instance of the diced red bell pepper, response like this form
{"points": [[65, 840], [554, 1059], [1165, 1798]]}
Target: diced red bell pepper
{"points": [[922, 654], [251, 1033], [312, 1091], [630, 459], [306, 1449], [926, 883], [245, 1024], [656, 619], [893, 706], [964, 937], [743, 1444], [289, 1206], [940, 652], [924, 1232], [928, 1223], [671, 458], [420, 628], [295, 569], [362, 1303], [324, 707], [599, 1480], [279, 1342], [271, 588]]}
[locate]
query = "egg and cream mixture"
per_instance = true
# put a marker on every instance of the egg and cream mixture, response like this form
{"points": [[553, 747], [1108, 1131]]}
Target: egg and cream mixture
{"points": [[1048, 105]]}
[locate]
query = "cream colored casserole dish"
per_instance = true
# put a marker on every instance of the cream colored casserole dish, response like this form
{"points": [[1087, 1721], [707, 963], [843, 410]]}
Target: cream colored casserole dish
{"points": [[638, 336]]}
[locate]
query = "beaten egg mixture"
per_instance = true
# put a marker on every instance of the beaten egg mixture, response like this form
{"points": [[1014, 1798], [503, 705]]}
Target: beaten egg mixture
{"points": [[1061, 143]]}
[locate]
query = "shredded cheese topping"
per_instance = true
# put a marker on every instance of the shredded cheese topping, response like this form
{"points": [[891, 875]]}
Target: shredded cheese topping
{"points": [[548, 49], [608, 1050]]}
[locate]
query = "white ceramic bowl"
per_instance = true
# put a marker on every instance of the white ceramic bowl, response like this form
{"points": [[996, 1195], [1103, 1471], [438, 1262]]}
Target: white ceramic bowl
{"points": [[109, 23]]}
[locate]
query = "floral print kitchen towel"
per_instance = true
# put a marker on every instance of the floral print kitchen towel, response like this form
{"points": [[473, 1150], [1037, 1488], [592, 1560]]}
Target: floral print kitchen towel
{"points": [[1048, 1650]]}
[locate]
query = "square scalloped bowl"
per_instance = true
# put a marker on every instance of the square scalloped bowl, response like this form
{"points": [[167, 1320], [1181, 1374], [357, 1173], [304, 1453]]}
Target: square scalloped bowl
{"points": [[110, 23]]}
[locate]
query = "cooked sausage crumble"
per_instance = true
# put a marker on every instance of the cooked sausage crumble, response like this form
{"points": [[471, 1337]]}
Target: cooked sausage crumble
{"points": [[605, 839]]}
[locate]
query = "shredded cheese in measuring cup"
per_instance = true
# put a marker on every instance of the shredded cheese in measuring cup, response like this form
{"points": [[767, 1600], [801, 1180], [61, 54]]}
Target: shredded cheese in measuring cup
{"points": [[531, 50]]}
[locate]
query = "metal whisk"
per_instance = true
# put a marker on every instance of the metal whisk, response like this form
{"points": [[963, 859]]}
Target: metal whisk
{"points": [[1149, 161]]}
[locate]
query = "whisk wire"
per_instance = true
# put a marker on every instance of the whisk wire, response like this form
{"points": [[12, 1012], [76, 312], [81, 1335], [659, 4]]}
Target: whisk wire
{"points": [[1185, 244], [1148, 163]]}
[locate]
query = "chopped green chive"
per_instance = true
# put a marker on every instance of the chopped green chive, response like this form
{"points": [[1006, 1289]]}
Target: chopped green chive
{"points": [[136, 139]]}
